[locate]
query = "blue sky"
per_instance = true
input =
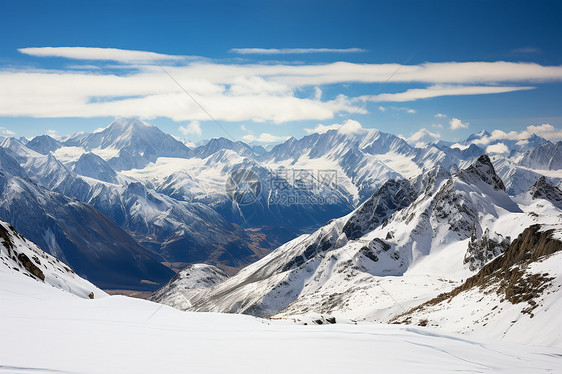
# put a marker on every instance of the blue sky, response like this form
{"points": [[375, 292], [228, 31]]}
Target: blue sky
{"points": [[412, 59]]}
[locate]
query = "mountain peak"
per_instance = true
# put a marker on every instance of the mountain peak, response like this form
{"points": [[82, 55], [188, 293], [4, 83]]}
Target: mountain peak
{"points": [[124, 123], [544, 190], [146, 139], [482, 170], [43, 144], [93, 166]]}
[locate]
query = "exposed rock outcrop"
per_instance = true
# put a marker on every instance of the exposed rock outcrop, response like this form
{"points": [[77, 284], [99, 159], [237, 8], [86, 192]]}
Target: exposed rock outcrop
{"points": [[507, 274]]}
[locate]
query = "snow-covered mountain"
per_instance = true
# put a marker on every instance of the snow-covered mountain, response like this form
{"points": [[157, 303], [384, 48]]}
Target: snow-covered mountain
{"points": [[412, 240], [149, 141], [76, 233], [218, 144], [43, 144], [416, 225], [174, 199], [544, 190], [93, 166], [21, 259], [175, 230], [547, 156]]}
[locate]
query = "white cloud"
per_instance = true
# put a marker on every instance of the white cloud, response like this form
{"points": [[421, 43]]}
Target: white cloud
{"points": [[264, 138], [404, 109], [193, 128], [232, 92], [421, 137], [384, 109], [459, 146], [349, 127], [456, 124], [150, 94], [285, 51], [546, 131], [321, 129], [51, 132], [440, 115], [441, 90], [443, 73], [497, 148], [107, 54], [317, 93], [437, 126], [5, 131]]}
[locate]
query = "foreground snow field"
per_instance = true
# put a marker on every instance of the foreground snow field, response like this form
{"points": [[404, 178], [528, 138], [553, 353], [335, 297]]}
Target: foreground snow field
{"points": [[47, 330]]}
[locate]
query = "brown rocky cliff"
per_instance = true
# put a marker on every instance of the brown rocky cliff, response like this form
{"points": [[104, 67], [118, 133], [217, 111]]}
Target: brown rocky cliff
{"points": [[506, 273]]}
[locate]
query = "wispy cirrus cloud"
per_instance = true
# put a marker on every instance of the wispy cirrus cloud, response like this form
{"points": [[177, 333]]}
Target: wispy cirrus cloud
{"points": [[442, 90], [103, 54], [289, 51]]}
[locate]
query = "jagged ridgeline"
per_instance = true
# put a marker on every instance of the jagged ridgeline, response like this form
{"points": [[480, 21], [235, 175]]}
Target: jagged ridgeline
{"points": [[411, 240], [126, 204]]}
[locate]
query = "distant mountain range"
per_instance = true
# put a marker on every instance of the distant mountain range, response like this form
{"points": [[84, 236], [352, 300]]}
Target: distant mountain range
{"points": [[125, 205]]}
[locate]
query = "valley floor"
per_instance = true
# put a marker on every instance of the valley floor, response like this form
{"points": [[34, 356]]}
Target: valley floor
{"points": [[47, 330]]}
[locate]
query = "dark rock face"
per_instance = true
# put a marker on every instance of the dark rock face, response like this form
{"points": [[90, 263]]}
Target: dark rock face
{"points": [[544, 190], [392, 196], [451, 208], [30, 266], [483, 249], [482, 170]]}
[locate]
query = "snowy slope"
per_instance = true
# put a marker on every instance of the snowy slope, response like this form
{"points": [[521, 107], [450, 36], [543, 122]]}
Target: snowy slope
{"points": [[516, 296], [93, 166], [187, 283], [45, 330], [517, 179], [24, 262], [385, 257], [547, 156]]}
